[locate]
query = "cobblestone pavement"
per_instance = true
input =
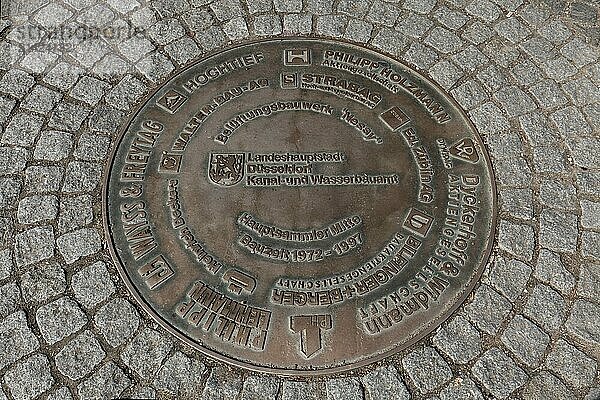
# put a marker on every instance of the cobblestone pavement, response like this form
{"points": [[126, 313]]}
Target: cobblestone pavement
{"points": [[526, 72]]}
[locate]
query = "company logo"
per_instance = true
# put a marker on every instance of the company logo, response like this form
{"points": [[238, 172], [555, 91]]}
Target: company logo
{"points": [[226, 169], [171, 101], [297, 57], [465, 150], [394, 118], [289, 80]]}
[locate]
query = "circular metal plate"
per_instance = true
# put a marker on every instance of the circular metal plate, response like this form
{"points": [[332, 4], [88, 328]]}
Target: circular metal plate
{"points": [[300, 206]]}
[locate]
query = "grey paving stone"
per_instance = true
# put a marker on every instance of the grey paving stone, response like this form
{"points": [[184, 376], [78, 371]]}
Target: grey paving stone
{"points": [[488, 309], [81, 177], [527, 73], [421, 7], [515, 101], [90, 51], [37, 208], [227, 9], [125, 93], [571, 365], [443, 40], [545, 386], [7, 228], [489, 119], [585, 151], [181, 376], [331, 25], [484, 9], [22, 130], [469, 95], [559, 68], [29, 378], [211, 38], [105, 119], [548, 94], [68, 117], [384, 383], [498, 373], [583, 322], [145, 353], [222, 385], [235, 29], [357, 30], [288, 6], [558, 194], [516, 239], [59, 319], [558, 231], [292, 390], [470, 59], [145, 393], [78, 244], [549, 159], [517, 202], [267, 25], [156, 67], [297, 24], [353, 8], [166, 31], [34, 245], [509, 277], [344, 389], [16, 339], [110, 67], [588, 285], [582, 91], [383, 13], [538, 130], [555, 31], [450, 18], [505, 145], [136, 47], [579, 52], [463, 389], [92, 147], [259, 387], [92, 285], [459, 340], [17, 83], [79, 357], [53, 146], [427, 369], [570, 121], [198, 19], [258, 6], [10, 299], [477, 32], [52, 15], [43, 282], [539, 48], [89, 90], [6, 263], [41, 100], [117, 320], [6, 106], [413, 25], [43, 179], [550, 270], [525, 340], [593, 394], [588, 182], [422, 57], [63, 75], [318, 7], [389, 40], [61, 393], [546, 307], [445, 74], [108, 382], [13, 160], [75, 212], [511, 29]]}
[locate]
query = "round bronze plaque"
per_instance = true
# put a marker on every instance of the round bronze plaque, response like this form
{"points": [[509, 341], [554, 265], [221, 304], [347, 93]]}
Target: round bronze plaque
{"points": [[300, 206]]}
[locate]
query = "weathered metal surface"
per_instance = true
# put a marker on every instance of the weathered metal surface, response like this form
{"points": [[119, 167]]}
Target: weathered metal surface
{"points": [[300, 206]]}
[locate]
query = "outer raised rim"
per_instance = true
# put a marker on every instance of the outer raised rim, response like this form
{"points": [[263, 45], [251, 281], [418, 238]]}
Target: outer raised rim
{"points": [[433, 324]]}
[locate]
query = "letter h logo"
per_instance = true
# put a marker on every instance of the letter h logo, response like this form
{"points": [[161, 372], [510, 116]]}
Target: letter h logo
{"points": [[297, 57]]}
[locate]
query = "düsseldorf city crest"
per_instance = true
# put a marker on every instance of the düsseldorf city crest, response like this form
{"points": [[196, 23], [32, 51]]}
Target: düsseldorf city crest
{"points": [[226, 169]]}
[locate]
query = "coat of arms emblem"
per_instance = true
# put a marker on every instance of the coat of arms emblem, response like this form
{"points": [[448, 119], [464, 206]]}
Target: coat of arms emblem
{"points": [[226, 169]]}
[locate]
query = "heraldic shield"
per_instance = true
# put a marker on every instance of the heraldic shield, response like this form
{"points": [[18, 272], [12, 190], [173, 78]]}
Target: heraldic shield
{"points": [[226, 169]]}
